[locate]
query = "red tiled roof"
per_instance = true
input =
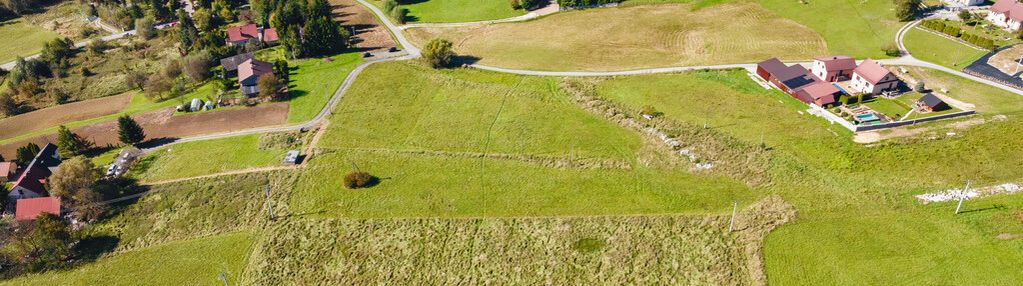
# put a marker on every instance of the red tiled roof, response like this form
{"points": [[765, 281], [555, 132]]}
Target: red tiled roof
{"points": [[270, 35], [1011, 8], [7, 168], [242, 33], [822, 90], [252, 68], [838, 63], [30, 209], [871, 71], [32, 179]]}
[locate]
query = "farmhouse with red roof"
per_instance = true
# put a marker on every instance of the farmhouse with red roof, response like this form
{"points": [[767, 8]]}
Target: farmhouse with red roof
{"points": [[798, 82], [249, 72], [30, 209], [7, 171], [834, 68], [870, 77], [241, 35], [1006, 14]]}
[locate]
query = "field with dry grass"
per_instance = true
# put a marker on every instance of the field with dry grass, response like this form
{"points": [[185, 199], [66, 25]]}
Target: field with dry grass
{"points": [[635, 37], [648, 250]]}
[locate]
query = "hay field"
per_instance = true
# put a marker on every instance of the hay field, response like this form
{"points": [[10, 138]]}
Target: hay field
{"points": [[30, 39], [53, 116], [635, 37], [451, 11], [642, 250]]}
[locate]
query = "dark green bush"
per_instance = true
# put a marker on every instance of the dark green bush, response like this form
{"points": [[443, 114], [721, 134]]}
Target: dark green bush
{"points": [[355, 180]]}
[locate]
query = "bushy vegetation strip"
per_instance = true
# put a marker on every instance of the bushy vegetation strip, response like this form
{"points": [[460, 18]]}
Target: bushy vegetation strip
{"points": [[955, 32], [668, 249], [560, 162], [727, 155]]}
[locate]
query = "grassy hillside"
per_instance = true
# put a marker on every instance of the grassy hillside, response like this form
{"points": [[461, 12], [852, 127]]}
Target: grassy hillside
{"points": [[30, 39], [858, 220], [635, 37], [447, 11], [206, 157]]}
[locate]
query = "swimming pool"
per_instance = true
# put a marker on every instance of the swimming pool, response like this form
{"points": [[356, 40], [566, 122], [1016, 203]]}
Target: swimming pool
{"points": [[869, 117]]}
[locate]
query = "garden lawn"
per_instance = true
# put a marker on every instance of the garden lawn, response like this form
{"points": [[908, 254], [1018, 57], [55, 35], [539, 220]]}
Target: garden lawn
{"points": [[22, 39], [634, 37], [888, 107], [191, 262], [313, 83], [940, 50], [449, 11], [986, 99], [406, 106], [858, 221], [865, 26], [206, 157]]}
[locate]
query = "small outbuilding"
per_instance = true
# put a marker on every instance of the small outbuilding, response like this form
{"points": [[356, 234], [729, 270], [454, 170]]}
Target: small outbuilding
{"points": [[30, 209], [931, 103], [291, 158]]}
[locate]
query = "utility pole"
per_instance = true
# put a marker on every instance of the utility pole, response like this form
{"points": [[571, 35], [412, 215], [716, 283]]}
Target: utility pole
{"points": [[354, 167], [731, 222], [269, 204], [962, 197], [223, 277]]}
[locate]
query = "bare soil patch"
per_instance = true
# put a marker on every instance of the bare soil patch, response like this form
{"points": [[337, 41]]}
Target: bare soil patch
{"points": [[48, 117], [369, 35], [1007, 60], [164, 124]]}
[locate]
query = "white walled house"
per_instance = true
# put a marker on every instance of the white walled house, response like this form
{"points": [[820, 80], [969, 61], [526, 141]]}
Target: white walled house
{"points": [[1007, 14], [833, 68], [872, 78]]}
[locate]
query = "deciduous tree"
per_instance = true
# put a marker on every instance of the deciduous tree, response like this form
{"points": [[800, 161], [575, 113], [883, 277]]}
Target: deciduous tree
{"points": [[438, 54]]}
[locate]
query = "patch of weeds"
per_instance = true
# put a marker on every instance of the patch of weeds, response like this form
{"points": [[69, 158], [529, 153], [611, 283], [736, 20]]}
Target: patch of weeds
{"points": [[589, 245]]}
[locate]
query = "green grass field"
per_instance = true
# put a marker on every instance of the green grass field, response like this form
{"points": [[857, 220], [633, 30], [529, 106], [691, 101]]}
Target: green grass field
{"points": [[189, 262], [449, 11], [408, 107], [25, 39], [858, 222], [314, 81], [865, 28], [546, 155], [634, 37], [206, 157], [936, 49]]}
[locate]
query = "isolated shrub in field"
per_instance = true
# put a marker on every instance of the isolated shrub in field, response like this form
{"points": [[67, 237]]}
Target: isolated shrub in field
{"points": [[355, 180], [438, 53], [891, 50], [919, 87]]}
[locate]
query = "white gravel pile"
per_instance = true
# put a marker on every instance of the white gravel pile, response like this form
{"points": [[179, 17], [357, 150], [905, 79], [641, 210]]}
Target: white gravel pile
{"points": [[675, 144]]}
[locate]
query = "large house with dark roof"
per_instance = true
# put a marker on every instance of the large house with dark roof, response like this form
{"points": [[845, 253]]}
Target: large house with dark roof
{"points": [[241, 35], [798, 82], [249, 73], [32, 181], [230, 64], [872, 78]]}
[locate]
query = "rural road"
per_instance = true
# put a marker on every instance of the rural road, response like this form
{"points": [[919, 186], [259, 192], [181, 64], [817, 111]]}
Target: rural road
{"points": [[10, 65]]}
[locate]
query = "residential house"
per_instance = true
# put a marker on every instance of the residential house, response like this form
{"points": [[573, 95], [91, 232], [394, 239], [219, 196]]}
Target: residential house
{"points": [[833, 68], [30, 209], [931, 103], [7, 171], [872, 78], [798, 82], [241, 35], [230, 64], [249, 73], [32, 181], [1007, 14]]}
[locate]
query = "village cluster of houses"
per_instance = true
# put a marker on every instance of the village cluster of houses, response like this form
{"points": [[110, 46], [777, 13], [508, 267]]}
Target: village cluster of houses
{"points": [[823, 83], [28, 196], [246, 66]]}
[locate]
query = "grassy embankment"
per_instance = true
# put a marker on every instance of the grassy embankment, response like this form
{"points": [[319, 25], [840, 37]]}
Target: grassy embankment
{"points": [[939, 50]]}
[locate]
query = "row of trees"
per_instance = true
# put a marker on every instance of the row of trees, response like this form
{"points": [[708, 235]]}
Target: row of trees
{"points": [[954, 31], [586, 3], [305, 28], [527, 4]]}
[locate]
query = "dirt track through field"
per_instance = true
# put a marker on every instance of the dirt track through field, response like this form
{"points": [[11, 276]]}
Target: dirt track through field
{"points": [[53, 116], [164, 124]]}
